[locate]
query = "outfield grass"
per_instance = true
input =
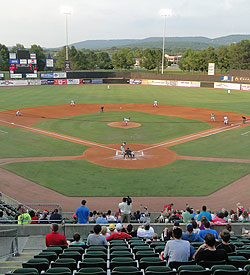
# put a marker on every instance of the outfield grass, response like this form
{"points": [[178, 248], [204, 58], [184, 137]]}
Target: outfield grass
{"points": [[93, 127], [20, 97], [189, 178], [229, 144], [20, 143]]}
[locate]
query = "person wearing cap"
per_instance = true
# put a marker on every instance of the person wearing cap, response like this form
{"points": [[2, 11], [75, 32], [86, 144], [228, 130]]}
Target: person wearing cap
{"points": [[190, 236], [119, 234], [111, 229], [82, 213]]}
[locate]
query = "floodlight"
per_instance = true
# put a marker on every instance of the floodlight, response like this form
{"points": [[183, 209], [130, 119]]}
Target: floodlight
{"points": [[166, 12], [66, 10]]}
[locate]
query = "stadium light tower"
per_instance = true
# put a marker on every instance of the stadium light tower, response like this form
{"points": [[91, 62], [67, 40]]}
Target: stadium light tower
{"points": [[166, 13], [67, 11]]}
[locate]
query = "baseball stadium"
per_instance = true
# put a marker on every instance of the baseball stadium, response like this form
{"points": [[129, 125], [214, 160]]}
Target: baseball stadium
{"points": [[124, 155]]}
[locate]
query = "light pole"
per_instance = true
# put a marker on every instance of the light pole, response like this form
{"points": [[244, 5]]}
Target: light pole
{"points": [[67, 11], [165, 13]]}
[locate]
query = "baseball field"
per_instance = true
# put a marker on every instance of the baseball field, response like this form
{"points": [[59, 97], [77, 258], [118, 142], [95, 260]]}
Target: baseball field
{"points": [[75, 150]]}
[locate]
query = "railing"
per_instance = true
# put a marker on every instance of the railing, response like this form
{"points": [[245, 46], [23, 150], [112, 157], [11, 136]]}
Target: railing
{"points": [[8, 243]]}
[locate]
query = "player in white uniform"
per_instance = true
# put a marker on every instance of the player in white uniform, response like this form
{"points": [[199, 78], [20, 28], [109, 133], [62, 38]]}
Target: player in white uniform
{"points": [[126, 120], [229, 91], [72, 103], [18, 113], [123, 147], [225, 120], [155, 103], [212, 118]]}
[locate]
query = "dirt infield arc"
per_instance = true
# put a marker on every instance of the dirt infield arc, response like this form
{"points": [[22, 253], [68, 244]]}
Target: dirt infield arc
{"points": [[154, 155], [102, 154]]}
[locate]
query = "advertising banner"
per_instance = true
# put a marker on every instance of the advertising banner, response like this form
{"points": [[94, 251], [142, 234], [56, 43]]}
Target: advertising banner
{"points": [[49, 63], [34, 82], [44, 82], [194, 84], [60, 75], [1, 76], [233, 86], [85, 81], [46, 75], [245, 87], [135, 81], [50, 81], [211, 67], [16, 75], [97, 81], [31, 75], [12, 55], [73, 81], [23, 61], [60, 82], [13, 61], [14, 83], [225, 78]]}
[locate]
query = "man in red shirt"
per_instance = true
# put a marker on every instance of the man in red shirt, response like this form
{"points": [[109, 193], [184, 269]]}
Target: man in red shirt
{"points": [[119, 234], [54, 238]]}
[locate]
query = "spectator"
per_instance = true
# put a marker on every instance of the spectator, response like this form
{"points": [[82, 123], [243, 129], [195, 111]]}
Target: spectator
{"points": [[225, 237], [239, 209], [229, 228], [96, 238], [190, 235], [34, 217], [145, 218], [155, 238], [208, 252], [219, 219], [130, 230], [196, 229], [177, 249], [125, 208], [82, 213], [54, 238], [167, 210], [104, 231], [174, 216], [44, 218], [187, 215], [207, 230], [244, 217], [24, 217], [77, 239], [3, 219], [204, 213], [109, 217], [92, 217], [101, 218], [145, 232], [56, 217], [119, 234]]}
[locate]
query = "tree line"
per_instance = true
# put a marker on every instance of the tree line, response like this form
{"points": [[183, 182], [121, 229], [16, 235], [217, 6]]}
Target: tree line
{"points": [[234, 56]]}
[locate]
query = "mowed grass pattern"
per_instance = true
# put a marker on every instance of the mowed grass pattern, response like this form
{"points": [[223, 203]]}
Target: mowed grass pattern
{"points": [[94, 127], [81, 178], [78, 178]]}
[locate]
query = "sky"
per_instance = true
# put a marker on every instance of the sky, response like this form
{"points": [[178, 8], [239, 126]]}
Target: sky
{"points": [[42, 22]]}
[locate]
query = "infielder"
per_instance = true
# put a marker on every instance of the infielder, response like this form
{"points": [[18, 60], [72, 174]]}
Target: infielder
{"points": [[155, 103], [18, 113], [72, 103], [212, 118], [225, 120]]}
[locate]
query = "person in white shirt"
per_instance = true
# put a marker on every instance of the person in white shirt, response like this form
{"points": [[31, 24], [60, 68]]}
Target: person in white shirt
{"points": [[145, 232], [125, 208], [109, 217]]}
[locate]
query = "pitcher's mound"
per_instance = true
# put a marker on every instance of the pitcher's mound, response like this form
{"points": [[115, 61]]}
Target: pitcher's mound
{"points": [[123, 125]]}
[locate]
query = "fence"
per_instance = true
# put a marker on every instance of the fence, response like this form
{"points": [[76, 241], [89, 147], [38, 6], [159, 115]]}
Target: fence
{"points": [[8, 243]]}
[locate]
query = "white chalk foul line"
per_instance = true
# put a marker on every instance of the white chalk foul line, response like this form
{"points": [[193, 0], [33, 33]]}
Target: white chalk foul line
{"points": [[57, 135], [209, 132], [245, 133]]}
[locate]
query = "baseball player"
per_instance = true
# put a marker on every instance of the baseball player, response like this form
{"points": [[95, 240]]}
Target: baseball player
{"points": [[108, 86], [212, 117], [72, 103], [122, 147], [226, 120], [155, 103], [229, 91], [102, 109], [126, 120], [18, 113]]}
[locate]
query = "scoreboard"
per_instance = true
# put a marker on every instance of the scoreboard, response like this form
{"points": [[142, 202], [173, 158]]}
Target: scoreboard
{"points": [[23, 64]]}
